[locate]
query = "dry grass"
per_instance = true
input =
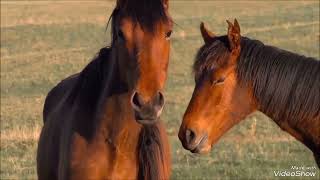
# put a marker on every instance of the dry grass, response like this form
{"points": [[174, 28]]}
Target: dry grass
{"points": [[43, 42]]}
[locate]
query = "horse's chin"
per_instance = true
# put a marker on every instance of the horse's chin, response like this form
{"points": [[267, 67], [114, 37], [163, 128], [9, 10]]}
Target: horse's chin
{"points": [[147, 122], [202, 150]]}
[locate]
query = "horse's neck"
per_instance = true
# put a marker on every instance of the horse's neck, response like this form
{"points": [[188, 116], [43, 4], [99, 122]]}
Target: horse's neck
{"points": [[119, 133], [307, 132], [117, 119], [118, 123]]}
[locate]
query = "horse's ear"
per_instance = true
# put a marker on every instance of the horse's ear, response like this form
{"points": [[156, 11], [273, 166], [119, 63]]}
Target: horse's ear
{"points": [[206, 34], [166, 4], [234, 35]]}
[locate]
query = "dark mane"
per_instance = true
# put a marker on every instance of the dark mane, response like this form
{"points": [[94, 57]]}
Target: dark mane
{"points": [[285, 84], [93, 84]]}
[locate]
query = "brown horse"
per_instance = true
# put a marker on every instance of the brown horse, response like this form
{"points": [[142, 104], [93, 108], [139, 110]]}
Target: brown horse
{"points": [[236, 76], [102, 123]]}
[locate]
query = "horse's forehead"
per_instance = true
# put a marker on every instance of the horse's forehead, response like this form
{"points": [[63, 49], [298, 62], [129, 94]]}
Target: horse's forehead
{"points": [[139, 37], [128, 24]]}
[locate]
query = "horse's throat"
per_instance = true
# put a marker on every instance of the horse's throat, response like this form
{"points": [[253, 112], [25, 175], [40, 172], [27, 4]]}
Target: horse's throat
{"points": [[119, 127]]}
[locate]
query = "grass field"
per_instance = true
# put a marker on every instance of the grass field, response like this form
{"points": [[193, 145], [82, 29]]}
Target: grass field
{"points": [[43, 42]]}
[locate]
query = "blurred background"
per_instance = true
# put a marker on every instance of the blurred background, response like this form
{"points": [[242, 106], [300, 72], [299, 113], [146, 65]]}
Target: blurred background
{"points": [[43, 42]]}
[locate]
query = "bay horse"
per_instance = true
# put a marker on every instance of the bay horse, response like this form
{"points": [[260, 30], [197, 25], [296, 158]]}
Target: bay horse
{"points": [[236, 76], [103, 123]]}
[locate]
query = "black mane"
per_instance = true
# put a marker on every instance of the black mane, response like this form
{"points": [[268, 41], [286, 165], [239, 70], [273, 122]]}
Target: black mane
{"points": [[95, 83], [285, 84]]}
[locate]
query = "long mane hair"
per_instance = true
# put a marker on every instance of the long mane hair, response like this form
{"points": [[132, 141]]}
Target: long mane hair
{"points": [[285, 84], [97, 81]]}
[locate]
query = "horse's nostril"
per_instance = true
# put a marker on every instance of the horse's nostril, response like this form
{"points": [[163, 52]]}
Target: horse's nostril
{"points": [[136, 101], [190, 136], [160, 99]]}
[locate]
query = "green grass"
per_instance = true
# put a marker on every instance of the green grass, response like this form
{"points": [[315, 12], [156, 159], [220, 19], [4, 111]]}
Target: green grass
{"points": [[43, 42]]}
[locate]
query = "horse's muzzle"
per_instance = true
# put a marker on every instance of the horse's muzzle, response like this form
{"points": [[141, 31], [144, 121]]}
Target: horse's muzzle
{"points": [[147, 113]]}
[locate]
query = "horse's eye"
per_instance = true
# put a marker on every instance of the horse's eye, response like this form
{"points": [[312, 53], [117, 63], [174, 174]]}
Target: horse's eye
{"points": [[120, 35], [221, 80], [218, 81], [168, 35]]}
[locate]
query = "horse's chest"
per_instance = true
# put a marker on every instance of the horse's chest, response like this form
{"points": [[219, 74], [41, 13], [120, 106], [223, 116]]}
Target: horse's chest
{"points": [[100, 160], [123, 168], [123, 161]]}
